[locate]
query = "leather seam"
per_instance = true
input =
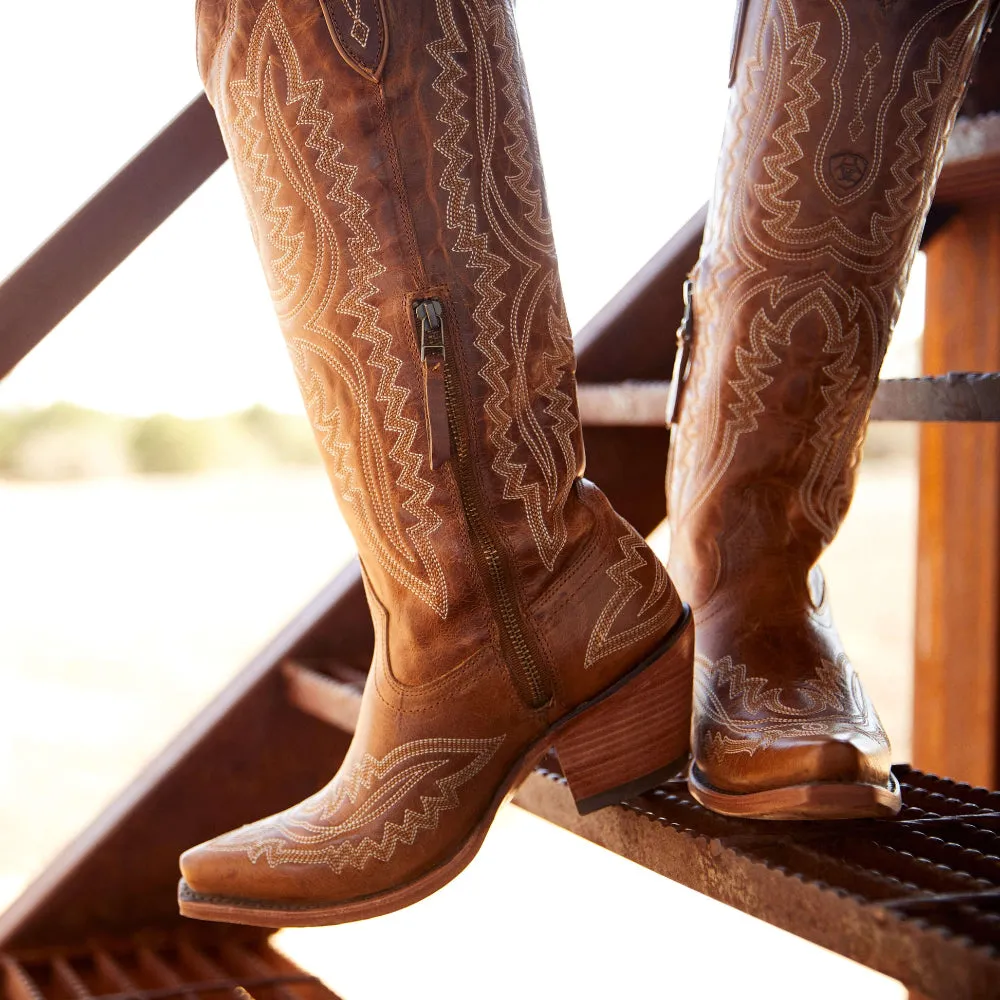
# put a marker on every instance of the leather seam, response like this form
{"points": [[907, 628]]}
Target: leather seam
{"points": [[402, 208], [198, 47], [451, 679], [383, 660], [197, 36], [553, 612], [601, 535]]}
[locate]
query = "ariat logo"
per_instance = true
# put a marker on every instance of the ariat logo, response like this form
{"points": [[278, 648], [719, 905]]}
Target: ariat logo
{"points": [[848, 169]]}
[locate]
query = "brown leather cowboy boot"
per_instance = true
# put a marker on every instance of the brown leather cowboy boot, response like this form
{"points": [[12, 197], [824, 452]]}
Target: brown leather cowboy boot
{"points": [[838, 120], [388, 158]]}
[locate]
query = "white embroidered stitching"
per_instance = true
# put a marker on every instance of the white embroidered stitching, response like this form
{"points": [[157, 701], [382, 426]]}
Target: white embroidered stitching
{"points": [[328, 829], [636, 556], [731, 699], [359, 29], [501, 320], [857, 127], [866, 310], [360, 466]]}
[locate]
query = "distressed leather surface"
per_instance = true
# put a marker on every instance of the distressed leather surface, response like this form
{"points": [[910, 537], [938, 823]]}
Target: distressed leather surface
{"points": [[366, 190], [838, 119]]}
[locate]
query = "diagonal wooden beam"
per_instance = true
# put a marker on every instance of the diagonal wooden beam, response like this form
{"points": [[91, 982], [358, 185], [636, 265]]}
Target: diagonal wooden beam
{"points": [[72, 262]]}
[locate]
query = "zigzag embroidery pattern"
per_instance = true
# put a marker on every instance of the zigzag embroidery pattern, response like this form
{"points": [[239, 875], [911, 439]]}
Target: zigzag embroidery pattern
{"points": [[730, 699], [865, 313], [636, 556], [543, 490], [273, 158], [324, 830]]}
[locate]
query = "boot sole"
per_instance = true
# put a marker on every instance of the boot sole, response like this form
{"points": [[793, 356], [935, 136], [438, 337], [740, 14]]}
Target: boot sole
{"points": [[819, 801], [610, 748]]}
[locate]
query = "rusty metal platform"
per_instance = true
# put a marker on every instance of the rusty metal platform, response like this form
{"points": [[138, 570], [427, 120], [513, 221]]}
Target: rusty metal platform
{"points": [[210, 964], [917, 898]]}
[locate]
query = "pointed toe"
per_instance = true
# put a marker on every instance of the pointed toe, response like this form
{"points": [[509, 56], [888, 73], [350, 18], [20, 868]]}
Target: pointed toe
{"points": [[209, 871]]}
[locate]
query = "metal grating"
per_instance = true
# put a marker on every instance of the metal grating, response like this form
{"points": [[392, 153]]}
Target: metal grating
{"points": [[938, 862], [917, 897], [159, 967]]}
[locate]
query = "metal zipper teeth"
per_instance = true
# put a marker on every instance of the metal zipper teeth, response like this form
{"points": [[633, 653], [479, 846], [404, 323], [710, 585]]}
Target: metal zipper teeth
{"points": [[505, 605]]}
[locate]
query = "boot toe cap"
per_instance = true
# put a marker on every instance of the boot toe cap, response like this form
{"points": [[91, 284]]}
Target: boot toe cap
{"points": [[209, 871], [232, 867], [843, 755]]}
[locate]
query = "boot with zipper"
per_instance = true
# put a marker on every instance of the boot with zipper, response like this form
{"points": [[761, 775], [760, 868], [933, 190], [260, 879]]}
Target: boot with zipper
{"points": [[838, 120], [387, 154]]}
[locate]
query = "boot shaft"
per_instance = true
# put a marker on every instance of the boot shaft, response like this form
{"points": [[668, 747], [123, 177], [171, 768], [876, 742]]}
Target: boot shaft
{"points": [[838, 121], [388, 157]]}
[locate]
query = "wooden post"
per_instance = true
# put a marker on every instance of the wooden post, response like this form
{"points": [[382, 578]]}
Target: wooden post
{"points": [[957, 662]]}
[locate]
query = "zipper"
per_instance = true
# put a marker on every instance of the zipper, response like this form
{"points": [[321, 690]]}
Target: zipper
{"points": [[432, 359], [446, 416], [682, 358]]}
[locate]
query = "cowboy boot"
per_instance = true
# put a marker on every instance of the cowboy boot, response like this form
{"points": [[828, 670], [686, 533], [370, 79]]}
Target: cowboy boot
{"points": [[838, 119], [387, 154]]}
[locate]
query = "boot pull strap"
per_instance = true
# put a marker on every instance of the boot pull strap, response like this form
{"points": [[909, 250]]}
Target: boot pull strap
{"points": [[360, 32]]}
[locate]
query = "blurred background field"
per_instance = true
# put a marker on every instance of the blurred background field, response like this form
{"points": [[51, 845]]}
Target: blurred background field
{"points": [[65, 442]]}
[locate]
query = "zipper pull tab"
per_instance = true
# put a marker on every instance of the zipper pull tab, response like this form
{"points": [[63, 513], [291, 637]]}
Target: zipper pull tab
{"points": [[682, 359], [430, 316]]}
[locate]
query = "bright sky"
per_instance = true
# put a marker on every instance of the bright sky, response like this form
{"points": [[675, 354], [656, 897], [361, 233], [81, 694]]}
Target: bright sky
{"points": [[185, 325]]}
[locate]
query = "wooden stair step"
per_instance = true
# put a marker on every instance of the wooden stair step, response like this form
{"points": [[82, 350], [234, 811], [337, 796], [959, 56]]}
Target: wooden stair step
{"points": [[957, 396], [332, 696]]}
